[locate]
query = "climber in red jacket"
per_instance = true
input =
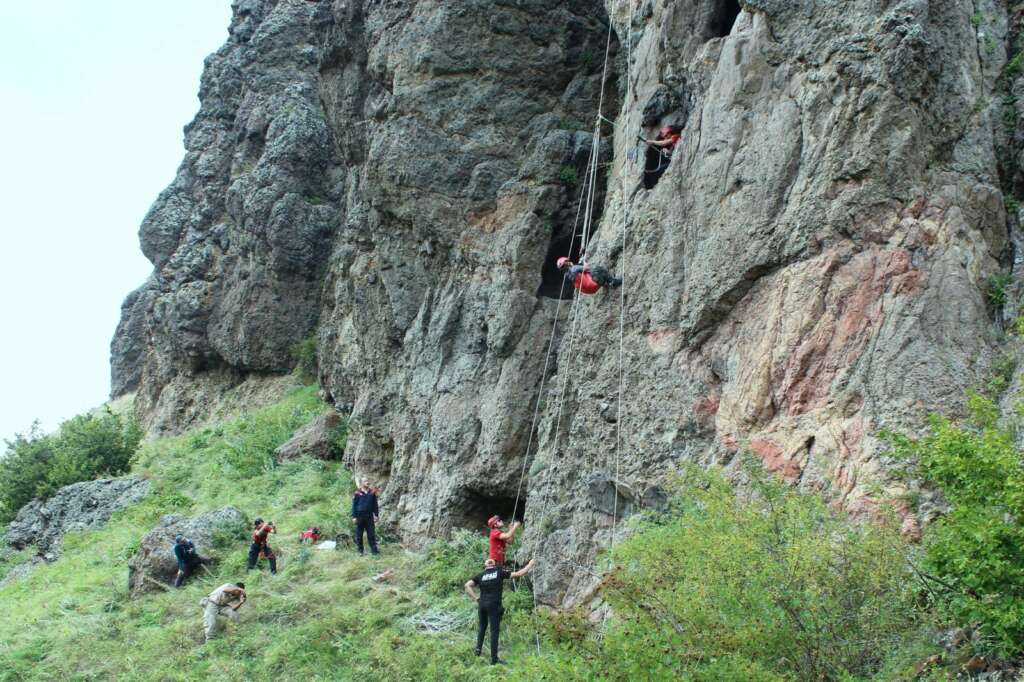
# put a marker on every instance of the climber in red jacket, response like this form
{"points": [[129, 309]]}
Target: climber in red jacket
{"points": [[659, 154], [587, 279]]}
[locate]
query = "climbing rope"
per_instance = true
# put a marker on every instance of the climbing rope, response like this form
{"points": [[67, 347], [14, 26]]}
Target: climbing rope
{"points": [[622, 293], [588, 197]]}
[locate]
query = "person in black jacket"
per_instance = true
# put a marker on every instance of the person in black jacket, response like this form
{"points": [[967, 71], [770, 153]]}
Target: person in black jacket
{"points": [[364, 515], [489, 609], [188, 559]]}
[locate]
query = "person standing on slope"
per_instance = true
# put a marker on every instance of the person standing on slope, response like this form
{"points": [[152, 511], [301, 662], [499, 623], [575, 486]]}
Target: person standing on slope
{"points": [[498, 539], [489, 608], [260, 547], [364, 516]]}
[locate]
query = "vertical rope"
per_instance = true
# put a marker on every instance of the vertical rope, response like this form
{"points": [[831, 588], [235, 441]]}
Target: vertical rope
{"points": [[622, 289]]}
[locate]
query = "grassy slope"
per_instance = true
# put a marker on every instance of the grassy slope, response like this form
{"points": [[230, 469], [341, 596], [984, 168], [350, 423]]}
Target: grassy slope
{"points": [[322, 617]]}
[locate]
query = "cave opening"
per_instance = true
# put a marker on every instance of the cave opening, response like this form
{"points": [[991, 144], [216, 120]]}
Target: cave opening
{"points": [[471, 508], [552, 282], [723, 17]]}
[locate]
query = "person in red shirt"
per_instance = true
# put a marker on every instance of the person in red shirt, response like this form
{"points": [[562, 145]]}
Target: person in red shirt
{"points": [[311, 534], [587, 279], [659, 154], [259, 547], [500, 538]]}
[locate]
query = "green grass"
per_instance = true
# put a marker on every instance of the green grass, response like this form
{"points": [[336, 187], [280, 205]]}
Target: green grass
{"points": [[321, 618], [719, 587]]}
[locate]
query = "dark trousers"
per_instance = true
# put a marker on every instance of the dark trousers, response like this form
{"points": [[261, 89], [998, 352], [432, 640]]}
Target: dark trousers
{"points": [[365, 524], [254, 556], [489, 613], [604, 278]]}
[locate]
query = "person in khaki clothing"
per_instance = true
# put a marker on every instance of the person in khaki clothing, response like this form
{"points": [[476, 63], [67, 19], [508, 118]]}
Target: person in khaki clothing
{"points": [[224, 601]]}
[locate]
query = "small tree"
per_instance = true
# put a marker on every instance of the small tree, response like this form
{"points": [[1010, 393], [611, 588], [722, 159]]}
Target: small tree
{"points": [[975, 553], [23, 471]]}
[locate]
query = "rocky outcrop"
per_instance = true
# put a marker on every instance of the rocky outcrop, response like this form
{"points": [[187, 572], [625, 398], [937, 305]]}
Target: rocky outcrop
{"points": [[317, 439], [76, 507], [397, 178], [154, 564]]}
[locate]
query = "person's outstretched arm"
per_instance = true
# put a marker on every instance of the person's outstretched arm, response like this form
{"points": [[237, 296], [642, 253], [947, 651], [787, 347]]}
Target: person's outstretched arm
{"points": [[524, 570], [511, 531]]}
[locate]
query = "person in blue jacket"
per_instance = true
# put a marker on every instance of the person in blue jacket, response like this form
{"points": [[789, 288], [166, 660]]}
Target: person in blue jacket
{"points": [[364, 515]]}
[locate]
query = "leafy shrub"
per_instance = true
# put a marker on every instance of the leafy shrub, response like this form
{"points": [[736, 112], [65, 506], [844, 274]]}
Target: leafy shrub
{"points": [[450, 563], [305, 354], [338, 439], [90, 446], [23, 471], [998, 288], [975, 553], [775, 586], [568, 176], [85, 447]]}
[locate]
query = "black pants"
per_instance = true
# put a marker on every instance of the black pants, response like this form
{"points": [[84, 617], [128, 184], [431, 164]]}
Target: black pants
{"points": [[604, 278], [489, 613], [365, 523], [254, 556], [186, 569]]}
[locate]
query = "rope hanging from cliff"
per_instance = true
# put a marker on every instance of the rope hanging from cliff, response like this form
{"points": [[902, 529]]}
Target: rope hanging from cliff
{"points": [[588, 196], [622, 293]]}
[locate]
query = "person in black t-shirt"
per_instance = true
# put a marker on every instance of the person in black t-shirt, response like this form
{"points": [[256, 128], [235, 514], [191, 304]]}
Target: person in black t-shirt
{"points": [[491, 582]]}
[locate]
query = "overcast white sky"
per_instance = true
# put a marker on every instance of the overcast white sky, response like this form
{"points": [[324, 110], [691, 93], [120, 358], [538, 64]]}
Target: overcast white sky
{"points": [[93, 98]]}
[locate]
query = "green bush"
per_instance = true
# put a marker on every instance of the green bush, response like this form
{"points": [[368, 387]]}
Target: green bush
{"points": [[775, 586], [998, 288], [305, 354], [23, 471], [568, 176], [87, 447], [84, 448], [975, 553], [450, 563]]}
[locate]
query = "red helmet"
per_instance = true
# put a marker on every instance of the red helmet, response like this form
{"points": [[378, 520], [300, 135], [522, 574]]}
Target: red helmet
{"points": [[494, 520], [561, 262]]}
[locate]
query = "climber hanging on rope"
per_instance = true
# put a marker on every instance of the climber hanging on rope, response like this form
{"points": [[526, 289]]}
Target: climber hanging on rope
{"points": [[489, 609], [588, 279], [659, 154]]}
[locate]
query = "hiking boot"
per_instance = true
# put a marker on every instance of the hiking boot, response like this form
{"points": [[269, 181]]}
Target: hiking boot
{"points": [[498, 661], [476, 652]]}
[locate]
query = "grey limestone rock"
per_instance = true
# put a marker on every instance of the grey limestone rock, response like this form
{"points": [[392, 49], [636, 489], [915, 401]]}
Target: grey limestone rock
{"points": [[315, 440], [154, 564], [77, 507], [397, 179]]}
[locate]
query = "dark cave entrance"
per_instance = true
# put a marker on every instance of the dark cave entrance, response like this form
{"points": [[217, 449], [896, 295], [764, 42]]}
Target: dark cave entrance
{"points": [[471, 508], [723, 17], [552, 282]]}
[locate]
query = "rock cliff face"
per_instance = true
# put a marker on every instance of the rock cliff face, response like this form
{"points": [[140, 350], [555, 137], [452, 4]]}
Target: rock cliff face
{"points": [[398, 177]]}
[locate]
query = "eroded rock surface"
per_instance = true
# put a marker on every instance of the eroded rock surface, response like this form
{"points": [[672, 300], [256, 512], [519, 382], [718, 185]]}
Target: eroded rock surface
{"points": [[316, 439], [76, 507], [397, 178], [154, 564]]}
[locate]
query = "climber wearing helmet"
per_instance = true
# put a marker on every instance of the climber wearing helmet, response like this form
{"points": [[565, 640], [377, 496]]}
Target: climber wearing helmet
{"points": [[500, 538], [659, 154], [587, 279]]}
